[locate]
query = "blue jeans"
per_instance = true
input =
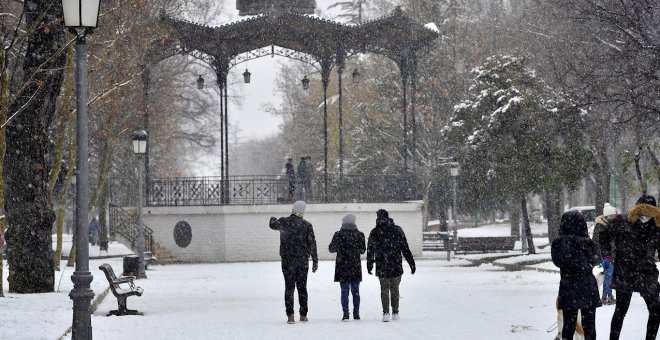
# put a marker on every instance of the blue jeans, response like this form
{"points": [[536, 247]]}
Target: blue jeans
{"points": [[354, 287], [607, 280]]}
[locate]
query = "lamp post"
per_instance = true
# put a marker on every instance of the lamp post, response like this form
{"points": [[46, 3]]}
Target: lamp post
{"points": [[305, 83], [453, 170], [200, 83], [140, 138], [491, 174], [355, 76], [81, 17]]}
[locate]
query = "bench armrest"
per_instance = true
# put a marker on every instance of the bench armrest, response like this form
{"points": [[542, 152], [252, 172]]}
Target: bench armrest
{"points": [[125, 279]]}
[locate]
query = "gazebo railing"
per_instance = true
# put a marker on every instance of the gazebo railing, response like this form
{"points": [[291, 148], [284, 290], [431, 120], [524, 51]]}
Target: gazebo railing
{"points": [[257, 190]]}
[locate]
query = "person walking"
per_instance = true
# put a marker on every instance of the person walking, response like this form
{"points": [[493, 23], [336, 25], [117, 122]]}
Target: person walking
{"points": [[94, 230], [303, 176], [608, 262], [348, 243], [291, 177], [632, 240], [387, 242], [576, 255], [297, 245]]}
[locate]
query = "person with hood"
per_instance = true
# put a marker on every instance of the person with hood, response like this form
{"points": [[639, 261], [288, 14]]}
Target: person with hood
{"points": [[291, 178], [608, 265], [297, 244], [348, 243], [576, 255], [304, 172], [387, 242], [633, 240], [94, 230]]}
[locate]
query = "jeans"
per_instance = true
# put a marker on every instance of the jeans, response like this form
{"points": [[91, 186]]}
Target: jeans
{"points": [[607, 281], [295, 277], [390, 285], [354, 288], [623, 302], [588, 323]]}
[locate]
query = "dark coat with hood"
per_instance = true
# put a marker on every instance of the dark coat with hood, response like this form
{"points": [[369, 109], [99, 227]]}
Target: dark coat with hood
{"points": [[297, 241], [635, 244], [348, 243], [387, 242], [576, 255]]}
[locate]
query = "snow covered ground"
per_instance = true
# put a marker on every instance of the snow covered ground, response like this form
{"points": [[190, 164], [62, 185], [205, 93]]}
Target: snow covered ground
{"points": [[245, 301]]}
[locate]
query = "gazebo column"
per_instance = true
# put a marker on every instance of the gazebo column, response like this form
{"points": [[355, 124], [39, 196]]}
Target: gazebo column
{"points": [[326, 63], [340, 71], [221, 71], [413, 113], [403, 67]]}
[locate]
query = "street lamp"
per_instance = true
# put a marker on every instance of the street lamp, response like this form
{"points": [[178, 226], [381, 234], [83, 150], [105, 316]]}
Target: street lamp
{"points": [[140, 138], [355, 76], [81, 17], [246, 76], [305, 83], [200, 83], [453, 170], [491, 174]]}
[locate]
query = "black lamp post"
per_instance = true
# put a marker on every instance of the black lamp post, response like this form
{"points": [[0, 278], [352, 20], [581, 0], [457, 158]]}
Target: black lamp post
{"points": [[355, 75], [305, 83], [81, 17], [200, 83], [246, 76], [454, 169], [140, 138]]}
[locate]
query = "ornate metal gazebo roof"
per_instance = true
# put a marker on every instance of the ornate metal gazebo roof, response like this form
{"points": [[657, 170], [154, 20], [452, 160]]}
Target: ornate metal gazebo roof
{"points": [[395, 36]]}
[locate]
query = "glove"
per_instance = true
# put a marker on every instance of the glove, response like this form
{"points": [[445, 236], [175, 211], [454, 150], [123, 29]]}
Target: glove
{"points": [[606, 262], [412, 270], [315, 267]]}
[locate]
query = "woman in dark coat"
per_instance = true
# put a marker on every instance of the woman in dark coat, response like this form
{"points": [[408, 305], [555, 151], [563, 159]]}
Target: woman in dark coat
{"points": [[576, 255], [348, 243], [633, 241]]}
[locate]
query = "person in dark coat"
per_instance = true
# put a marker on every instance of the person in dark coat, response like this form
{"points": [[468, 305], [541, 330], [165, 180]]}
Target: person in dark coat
{"points": [[348, 243], [387, 242], [297, 244], [576, 255], [636, 238], [291, 177]]}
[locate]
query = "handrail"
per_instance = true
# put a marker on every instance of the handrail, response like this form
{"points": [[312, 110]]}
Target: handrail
{"points": [[269, 189], [124, 223]]}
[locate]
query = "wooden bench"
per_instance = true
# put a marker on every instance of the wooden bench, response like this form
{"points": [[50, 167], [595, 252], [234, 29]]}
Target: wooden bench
{"points": [[435, 241], [121, 293], [485, 244]]}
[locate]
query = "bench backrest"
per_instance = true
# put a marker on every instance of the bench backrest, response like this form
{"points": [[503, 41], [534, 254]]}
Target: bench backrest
{"points": [[110, 276], [486, 243]]}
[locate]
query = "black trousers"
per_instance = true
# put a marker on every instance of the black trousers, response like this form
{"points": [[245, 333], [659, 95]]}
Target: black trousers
{"points": [[588, 323], [295, 277], [623, 302]]}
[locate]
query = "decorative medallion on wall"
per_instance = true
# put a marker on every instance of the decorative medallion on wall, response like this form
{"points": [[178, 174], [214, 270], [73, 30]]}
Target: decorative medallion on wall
{"points": [[182, 234]]}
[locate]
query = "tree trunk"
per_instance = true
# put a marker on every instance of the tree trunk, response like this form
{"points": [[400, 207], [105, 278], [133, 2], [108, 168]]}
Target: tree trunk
{"points": [[515, 221], [601, 172], [528, 229], [29, 209], [4, 100], [62, 205], [553, 212]]}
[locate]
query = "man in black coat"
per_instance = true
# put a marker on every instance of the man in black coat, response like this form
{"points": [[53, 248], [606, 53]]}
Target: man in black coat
{"points": [[576, 255], [348, 243], [636, 238], [387, 242], [297, 244], [291, 177]]}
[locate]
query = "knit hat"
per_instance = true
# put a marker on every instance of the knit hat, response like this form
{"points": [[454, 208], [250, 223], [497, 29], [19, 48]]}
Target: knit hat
{"points": [[609, 210], [348, 219], [382, 214], [646, 199], [298, 207]]}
